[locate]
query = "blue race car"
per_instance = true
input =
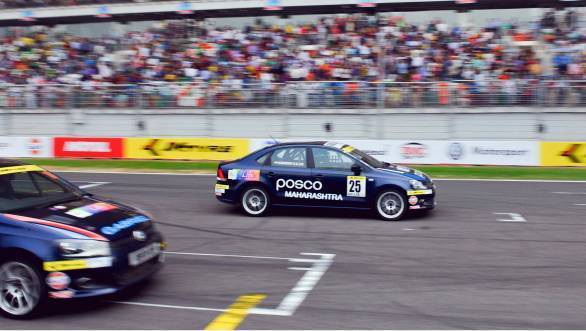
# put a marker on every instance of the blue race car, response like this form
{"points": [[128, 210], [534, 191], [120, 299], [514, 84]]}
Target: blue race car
{"points": [[322, 174], [59, 242]]}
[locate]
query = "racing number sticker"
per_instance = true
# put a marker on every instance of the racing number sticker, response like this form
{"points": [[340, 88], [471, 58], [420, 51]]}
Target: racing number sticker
{"points": [[356, 186]]}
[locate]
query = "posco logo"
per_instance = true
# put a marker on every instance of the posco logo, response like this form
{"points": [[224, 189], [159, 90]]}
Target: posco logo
{"points": [[299, 184]]}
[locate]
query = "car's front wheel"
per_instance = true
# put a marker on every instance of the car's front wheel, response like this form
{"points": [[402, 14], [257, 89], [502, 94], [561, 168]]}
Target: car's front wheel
{"points": [[255, 201], [21, 288], [391, 205]]}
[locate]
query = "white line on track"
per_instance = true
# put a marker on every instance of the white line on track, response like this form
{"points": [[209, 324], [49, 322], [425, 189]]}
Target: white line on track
{"points": [[91, 184], [228, 255], [514, 218], [213, 175], [155, 305], [570, 193], [580, 204], [288, 305]]}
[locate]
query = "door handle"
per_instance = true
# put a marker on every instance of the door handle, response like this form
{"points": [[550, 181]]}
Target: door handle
{"points": [[319, 176], [271, 174]]}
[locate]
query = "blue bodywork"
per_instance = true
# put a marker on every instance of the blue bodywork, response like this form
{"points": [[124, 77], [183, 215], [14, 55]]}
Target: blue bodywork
{"points": [[333, 190], [32, 234]]}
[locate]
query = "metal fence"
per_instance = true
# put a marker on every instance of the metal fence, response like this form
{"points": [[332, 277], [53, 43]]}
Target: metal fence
{"points": [[301, 95]]}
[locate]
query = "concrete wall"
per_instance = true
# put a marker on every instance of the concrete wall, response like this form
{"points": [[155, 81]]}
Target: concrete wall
{"points": [[495, 124]]}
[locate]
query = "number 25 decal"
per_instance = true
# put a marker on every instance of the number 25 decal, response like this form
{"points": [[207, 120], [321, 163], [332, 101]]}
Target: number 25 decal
{"points": [[356, 186]]}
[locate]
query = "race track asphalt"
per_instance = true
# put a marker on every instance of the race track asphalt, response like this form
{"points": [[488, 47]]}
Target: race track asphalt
{"points": [[457, 268]]}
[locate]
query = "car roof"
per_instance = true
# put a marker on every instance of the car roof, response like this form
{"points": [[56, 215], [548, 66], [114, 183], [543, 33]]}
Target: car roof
{"points": [[315, 143], [4, 163]]}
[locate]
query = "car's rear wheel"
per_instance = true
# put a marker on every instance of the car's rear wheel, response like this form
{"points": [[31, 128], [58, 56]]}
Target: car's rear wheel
{"points": [[22, 290], [391, 205], [255, 201]]}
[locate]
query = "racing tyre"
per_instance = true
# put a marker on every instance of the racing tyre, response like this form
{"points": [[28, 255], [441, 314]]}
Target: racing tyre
{"points": [[255, 201], [22, 289], [391, 205]]}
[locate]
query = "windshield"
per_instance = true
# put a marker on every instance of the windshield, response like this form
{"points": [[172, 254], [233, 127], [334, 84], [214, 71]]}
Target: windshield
{"points": [[362, 156], [27, 187]]}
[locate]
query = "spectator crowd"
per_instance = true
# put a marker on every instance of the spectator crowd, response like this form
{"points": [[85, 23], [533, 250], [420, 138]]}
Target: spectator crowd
{"points": [[357, 49]]}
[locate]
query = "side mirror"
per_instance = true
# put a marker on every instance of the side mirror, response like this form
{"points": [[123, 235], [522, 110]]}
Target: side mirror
{"points": [[356, 169]]}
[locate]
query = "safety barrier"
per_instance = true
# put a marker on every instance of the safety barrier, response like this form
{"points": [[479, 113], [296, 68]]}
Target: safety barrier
{"points": [[462, 152], [297, 95]]}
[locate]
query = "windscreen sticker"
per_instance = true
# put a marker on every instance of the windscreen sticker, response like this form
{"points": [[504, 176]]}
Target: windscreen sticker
{"points": [[348, 149], [356, 186], [17, 169], [249, 175], [90, 210]]}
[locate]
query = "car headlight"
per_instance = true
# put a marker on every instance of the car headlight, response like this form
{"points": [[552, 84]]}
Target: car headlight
{"points": [[417, 185], [83, 248]]}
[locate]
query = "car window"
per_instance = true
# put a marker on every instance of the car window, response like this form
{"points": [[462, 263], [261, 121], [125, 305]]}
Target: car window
{"points": [[290, 157], [324, 158], [263, 159], [29, 189]]}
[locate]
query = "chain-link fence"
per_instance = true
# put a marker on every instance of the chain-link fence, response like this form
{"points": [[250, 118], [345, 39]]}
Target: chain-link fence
{"points": [[297, 95]]}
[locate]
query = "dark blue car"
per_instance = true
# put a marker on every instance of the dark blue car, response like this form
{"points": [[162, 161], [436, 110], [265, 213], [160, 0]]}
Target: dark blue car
{"points": [[59, 242], [322, 174]]}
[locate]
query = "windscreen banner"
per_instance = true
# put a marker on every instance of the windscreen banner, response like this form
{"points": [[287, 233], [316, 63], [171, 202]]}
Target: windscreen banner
{"points": [[26, 147], [212, 149]]}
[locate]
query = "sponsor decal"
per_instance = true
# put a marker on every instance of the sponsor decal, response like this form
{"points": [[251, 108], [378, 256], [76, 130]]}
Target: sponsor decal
{"points": [[413, 151], [244, 174], [90, 210], [66, 265], [299, 184], [221, 189], [314, 196], [348, 149], [66, 294], [420, 192], [58, 280], [356, 186], [17, 169], [413, 200], [124, 224], [58, 225], [415, 207], [456, 151], [88, 147], [215, 149], [563, 154]]}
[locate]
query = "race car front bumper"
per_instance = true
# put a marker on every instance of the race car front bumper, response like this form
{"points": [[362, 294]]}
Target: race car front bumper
{"points": [[112, 278]]}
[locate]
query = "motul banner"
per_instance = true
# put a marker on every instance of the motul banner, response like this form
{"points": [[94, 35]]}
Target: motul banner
{"points": [[103, 148]]}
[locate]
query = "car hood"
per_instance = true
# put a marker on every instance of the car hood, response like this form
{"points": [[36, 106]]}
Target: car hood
{"points": [[105, 219], [404, 171]]}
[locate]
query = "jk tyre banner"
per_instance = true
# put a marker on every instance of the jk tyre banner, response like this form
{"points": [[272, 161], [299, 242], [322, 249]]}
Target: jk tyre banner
{"points": [[213, 149], [89, 147], [572, 154]]}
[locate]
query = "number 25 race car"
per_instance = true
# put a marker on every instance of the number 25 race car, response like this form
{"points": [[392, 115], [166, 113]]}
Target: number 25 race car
{"points": [[59, 242], [322, 174]]}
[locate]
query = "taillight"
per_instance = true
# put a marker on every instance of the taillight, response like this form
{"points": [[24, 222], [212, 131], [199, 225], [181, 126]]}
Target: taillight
{"points": [[221, 176]]}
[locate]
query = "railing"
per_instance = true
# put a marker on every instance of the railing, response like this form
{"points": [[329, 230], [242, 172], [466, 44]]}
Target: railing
{"points": [[302, 95]]}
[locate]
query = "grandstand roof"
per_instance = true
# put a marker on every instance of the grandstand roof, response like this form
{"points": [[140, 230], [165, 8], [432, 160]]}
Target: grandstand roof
{"points": [[159, 10]]}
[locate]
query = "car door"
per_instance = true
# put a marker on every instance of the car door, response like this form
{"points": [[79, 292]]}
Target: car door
{"points": [[334, 169], [288, 175]]}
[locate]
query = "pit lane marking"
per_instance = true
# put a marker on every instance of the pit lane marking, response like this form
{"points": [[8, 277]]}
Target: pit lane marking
{"points": [[292, 300], [236, 313], [515, 218]]}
